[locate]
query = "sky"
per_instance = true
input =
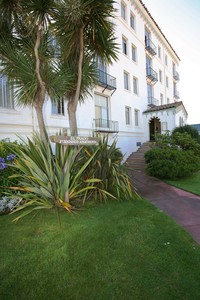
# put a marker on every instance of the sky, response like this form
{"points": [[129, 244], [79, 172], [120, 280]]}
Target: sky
{"points": [[179, 20]]}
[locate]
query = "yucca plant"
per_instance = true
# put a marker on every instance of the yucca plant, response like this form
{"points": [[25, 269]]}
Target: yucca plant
{"points": [[108, 167], [47, 180]]}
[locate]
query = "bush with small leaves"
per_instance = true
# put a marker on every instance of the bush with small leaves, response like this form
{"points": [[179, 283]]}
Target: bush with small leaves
{"points": [[193, 132]]}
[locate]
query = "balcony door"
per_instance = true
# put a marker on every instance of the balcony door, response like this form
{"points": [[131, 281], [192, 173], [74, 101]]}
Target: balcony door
{"points": [[148, 62], [102, 67], [101, 111], [149, 93]]}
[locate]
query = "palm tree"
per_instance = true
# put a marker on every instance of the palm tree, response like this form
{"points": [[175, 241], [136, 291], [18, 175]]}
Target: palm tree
{"points": [[84, 29], [26, 52]]}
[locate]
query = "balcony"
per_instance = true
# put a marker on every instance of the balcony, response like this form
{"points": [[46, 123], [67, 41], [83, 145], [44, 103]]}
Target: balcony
{"points": [[151, 75], [150, 47], [176, 95], [103, 125], [107, 81], [176, 76], [153, 101]]}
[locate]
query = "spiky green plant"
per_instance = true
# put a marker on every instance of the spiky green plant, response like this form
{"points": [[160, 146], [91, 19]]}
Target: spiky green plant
{"points": [[108, 167], [50, 181]]}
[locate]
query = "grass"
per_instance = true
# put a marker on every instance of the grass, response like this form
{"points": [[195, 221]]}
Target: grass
{"points": [[123, 250], [190, 184]]}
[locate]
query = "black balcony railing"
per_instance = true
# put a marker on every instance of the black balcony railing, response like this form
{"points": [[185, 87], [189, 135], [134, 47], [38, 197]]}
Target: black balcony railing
{"points": [[150, 47], [153, 101], [176, 75], [103, 125], [176, 95], [106, 80], [151, 74]]}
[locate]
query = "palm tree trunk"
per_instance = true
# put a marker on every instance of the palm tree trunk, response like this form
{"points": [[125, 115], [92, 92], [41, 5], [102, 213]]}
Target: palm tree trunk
{"points": [[40, 96], [72, 105], [72, 118], [42, 128]]}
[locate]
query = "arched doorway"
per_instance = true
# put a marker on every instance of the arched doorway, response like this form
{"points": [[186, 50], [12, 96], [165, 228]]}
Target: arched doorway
{"points": [[154, 127]]}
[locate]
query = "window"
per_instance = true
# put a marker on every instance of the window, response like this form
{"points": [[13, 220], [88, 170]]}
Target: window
{"points": [[149, 93], [160, 76], [123, 10], [58, 107], [147, 37], [6, 93], [124, 46], [148, 62], [101, 107], [164, 126], [166, 60], [135, 85], [134, 53], [181, 122], [128, 115], [168, 101], [161, 99], [132, 21], [167, 82], [136, 115], [159, 52], [126, 81]]}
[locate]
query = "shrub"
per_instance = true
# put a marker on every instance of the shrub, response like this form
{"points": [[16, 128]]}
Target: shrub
{"points": [[170, 163], [53, 181], [107, 166], [193, 132]]}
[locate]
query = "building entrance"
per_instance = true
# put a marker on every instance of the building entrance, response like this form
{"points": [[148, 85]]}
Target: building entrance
{"points": [[154, 127]]}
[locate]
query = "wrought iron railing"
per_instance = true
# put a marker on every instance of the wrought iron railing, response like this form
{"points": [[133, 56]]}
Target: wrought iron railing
{"points": [[151, 74], [176, 94], [104, 125], [153, 101], [150, 47], [106, 80], [176, 75]]}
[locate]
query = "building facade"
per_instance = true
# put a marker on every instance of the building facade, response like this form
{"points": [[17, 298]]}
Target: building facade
{"points": [[136, 96]]}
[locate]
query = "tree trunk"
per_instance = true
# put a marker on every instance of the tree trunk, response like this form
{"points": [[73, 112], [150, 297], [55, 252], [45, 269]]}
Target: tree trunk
{"points": [[72, 105], [42, 129], [40, 95], [72, 118]]}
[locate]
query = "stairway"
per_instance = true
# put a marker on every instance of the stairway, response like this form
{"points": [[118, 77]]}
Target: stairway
{"points": [[136, 160]]}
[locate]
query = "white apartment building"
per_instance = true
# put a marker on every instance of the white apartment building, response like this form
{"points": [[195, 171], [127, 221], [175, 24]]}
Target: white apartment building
{"points": [[135, 97]]}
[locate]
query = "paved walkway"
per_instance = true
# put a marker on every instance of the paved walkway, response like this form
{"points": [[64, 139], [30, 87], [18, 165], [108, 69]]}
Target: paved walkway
{"points": [[183, 207]]}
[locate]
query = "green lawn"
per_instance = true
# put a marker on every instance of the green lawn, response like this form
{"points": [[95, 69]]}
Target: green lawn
{"points": [[123, 250], [191, 184]]}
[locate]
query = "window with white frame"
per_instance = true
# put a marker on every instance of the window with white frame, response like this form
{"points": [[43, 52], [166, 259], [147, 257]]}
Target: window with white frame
{"points": [[123, 10], [6, 93], [166, 60], [168, 100], [126, 80], [132, 21], [136, 117], [159, 52], [135, 85], [181, 122], [134, 53], [128, 115], [161, 99], [164, 126], [160, 76], [167, 81], [124, 45], [58, 107], [101, 108]]}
